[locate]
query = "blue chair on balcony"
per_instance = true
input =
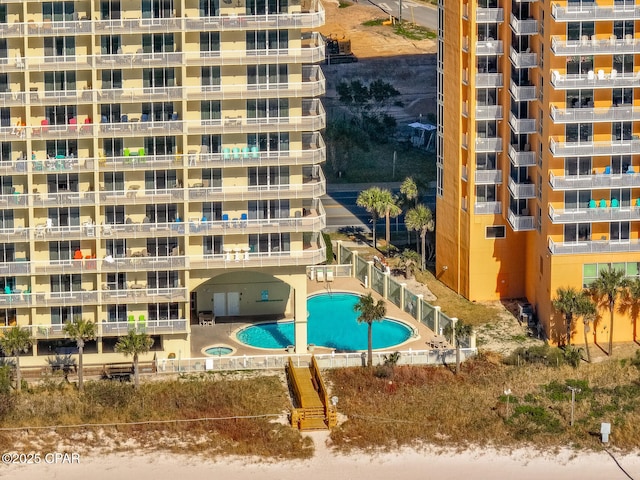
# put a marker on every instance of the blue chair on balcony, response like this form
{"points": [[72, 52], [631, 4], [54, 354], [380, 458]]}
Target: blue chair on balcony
{"points": [[638, 202], [607, 170], [124, 118], [630, 169], [243, 219], [615, 203], [603, 203], [225, 219], [592, 203], [7, 290], [226, 153], [245, 152], [255, 152], [236, 152]]}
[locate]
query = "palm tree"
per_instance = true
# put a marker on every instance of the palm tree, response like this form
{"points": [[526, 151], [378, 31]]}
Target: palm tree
{"points": [[420, 219], [409, 190], [409, 259], [390, 209], [81, 331], [461, 330], [369, 199], [586, 309], [134, 344], [567, 303], [370, 311], [13, 342], [609, 284]]}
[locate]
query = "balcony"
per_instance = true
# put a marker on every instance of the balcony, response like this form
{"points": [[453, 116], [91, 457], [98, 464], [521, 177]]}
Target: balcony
{"points": [[139, 293], [489, 15], [522, 190], [489, 80], [488, 112], [523, 27], [135, 196], [489, 144], [135, 127], [487, 208], [522, 125], [315, 187], [594, 215], [238, 259], [312, 85], [523, 59], [611, 114], [54, 299], [17, 267], [136, 95], [138, 262], [489, 47], [11, 99], [309, 19], [488, 177], [595, 46], [521, 158], [523, 93], [590, 148], [591, 12], [594, 80], [597, 246], [598, 181], [521, 223]]}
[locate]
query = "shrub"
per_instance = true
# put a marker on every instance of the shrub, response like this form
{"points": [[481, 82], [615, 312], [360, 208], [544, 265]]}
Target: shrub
{"points": [[538, 354], [329, 252]]}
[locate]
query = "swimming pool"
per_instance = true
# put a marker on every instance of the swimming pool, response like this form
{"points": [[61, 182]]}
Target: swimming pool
{"points": [[331, 323]]}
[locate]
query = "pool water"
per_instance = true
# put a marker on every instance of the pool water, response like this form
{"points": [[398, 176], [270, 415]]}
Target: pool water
{"points": [[218, 350], [331, 323]]}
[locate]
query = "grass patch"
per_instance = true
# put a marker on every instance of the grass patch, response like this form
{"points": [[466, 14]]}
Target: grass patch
{"points": [[431, 405], [413, 32], [190, 397], [344, 4], [376, 22]]}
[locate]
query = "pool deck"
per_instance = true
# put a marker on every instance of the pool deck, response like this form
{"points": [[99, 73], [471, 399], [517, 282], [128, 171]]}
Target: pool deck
{"points": [[219, 334]]}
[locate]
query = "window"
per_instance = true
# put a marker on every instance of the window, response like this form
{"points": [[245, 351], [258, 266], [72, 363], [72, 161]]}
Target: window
{"points": [[620, 163], [160, 145], [486, 161], [212, 211], [266, 142], [496, 231], [57, 11], [487, 64], [260, 7], [266, 40], [267, 74], [163, 279], [212, 177], [59, 81], [622, 28], [623, 63], [62, 315], [209, 43], [577, 232], [62, 147], [262, 176], [5, 151], [65, 216], [486, 96], [212, 245], [487, 31], [267, 108], [7, 252], [117, 313], [161, 247], [267, 209], [114, 214], [269, 242], [157, 8], [62, 182], [110, 9], [619, 231], [63, 250], [110, 113], [577, 199], [580, 64], [212, 142], [621, 131], [111, 79], [209, 110], [579, 132], [65, 283], [622, 195], [485, 193], [113, 181], [158, 43], [486, 129], [209, 8], [157, 111], [110, 44], [622, 96], [163, 311], [160, 179], [6, 218], [577, 30], [210, 78], [60, 114], [162, 213], [7, 317], [116, 248], [579, 98], [158, 77], [59, 46], [112, 147], [577, 166]]}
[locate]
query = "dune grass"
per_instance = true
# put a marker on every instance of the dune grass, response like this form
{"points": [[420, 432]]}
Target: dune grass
{"points": [[188, 398], [431, 405]]}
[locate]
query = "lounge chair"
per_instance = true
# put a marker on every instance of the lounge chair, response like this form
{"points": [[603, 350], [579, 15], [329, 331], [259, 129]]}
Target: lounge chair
{"points": [[320, 275], [329, 275]]}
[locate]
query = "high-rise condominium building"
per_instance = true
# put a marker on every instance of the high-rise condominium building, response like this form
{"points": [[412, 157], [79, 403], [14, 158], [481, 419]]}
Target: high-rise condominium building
{"points": [[160, 166], [539, 159]]}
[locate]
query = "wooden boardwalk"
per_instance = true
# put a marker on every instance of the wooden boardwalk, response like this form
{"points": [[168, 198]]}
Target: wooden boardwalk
{"points": [[310, 402]]}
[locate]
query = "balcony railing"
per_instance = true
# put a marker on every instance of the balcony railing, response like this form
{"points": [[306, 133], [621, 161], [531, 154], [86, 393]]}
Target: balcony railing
{"points": [[489, 144], [522, 93], [598, 181], [523, 27], [593, 246], [489, 112], [523, 59], [521, 223], [489, 47], [489, 80], [239, 259], [521, 159], [590, 148], [592, 11], [594, 80], [522, 190], [488, 177], [522, 125], [611, 114], [596, 46], [489, 15], [607, 214], [152, 327], [487, 208]]}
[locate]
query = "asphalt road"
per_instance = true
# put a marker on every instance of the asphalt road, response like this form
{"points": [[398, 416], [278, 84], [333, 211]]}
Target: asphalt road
{"points": [[418, 13]]}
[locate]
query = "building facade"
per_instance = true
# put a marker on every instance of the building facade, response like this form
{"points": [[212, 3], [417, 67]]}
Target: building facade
{"points": [[538, 171], [160, 166]]}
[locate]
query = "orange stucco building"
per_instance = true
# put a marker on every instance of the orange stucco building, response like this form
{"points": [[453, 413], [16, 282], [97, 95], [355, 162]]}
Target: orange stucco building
{"points": [[539, 150]]}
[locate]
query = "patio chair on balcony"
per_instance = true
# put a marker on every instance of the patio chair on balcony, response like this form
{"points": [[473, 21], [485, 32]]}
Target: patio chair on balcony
{"points": [[592, 203], [243, 220], [142, 323], [225, 219], [603, 203], [131, 322]]}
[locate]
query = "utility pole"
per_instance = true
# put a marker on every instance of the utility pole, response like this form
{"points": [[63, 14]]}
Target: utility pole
{"points": [[400, 15], [573, 401]]}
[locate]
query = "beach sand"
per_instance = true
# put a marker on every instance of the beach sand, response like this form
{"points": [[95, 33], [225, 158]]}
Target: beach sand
{"points": [[429, 463]]}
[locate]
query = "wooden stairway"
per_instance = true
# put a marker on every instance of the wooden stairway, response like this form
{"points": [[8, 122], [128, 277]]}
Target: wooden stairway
{"points": [[311, 404]]}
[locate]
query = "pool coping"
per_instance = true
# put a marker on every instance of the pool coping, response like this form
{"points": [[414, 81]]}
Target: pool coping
{"points": [[414, 331]]}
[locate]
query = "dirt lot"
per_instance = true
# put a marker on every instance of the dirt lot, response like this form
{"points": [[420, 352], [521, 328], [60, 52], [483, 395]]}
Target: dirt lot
{"points": [[409, 65]]}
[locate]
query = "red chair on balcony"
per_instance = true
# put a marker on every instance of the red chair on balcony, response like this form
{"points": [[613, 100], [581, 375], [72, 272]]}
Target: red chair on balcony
{"points": [[44, 126], [86, 128], [73, 124]]}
